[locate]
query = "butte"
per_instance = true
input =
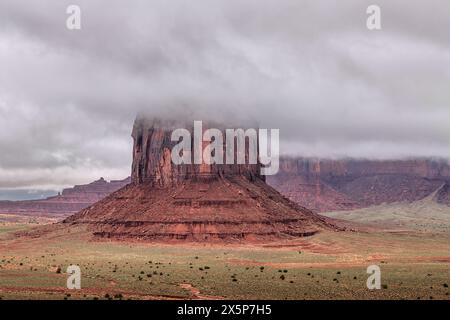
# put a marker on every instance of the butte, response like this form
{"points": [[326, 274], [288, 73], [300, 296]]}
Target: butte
{"points": [[193, 202]]}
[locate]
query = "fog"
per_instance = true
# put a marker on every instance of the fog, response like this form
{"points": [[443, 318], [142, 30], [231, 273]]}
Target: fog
{"points": [[312, 69]]}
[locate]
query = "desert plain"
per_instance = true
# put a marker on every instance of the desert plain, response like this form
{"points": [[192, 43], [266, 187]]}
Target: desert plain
{"points": [[34, 256]]}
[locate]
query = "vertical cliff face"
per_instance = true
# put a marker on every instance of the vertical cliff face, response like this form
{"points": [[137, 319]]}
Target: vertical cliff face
{"points": [[151, 154], [152, 162], [194, 201], [326, 168]]}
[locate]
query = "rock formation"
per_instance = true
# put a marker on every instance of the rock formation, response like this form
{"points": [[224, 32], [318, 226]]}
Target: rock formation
{"points": [[193, 201], [443, 194], [152, 157], [329, 185], [70, 201]]}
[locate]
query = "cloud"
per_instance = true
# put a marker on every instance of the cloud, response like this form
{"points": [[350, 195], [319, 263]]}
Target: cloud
{"points": [[68, 98]]}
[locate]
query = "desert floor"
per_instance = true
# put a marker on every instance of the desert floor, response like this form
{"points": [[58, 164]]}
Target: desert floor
{"points": [[329, 265]]}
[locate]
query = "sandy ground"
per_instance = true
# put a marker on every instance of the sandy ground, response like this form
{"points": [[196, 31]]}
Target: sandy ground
{"points": [[330, 265]]}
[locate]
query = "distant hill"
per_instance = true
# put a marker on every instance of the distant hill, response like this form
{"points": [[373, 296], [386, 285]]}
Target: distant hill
{"points": [[422, 215], [70, 200], [443, 194]]}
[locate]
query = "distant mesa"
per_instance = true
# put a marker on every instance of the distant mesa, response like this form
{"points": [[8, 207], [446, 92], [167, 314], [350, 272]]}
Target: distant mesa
{"points": [[70, 201], [331, 185], [193, 202]]}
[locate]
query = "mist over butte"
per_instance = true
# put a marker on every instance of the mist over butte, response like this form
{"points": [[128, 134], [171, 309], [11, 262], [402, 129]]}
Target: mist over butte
{"points": [[203, 202], [334, 89]]}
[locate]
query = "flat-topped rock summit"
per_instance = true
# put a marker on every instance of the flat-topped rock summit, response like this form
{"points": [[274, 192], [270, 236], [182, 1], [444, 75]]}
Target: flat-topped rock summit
{"points": [[193, 201]]}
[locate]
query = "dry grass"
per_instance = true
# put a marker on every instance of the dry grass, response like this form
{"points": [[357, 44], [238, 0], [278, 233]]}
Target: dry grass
{"points": [[326, 266]]}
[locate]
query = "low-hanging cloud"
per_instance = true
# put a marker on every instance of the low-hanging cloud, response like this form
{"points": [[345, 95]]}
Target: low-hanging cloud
{"points": [[310, 68]]}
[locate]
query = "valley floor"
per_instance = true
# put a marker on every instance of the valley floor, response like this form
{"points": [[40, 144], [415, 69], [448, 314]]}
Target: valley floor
{"points": [[329, 265]]}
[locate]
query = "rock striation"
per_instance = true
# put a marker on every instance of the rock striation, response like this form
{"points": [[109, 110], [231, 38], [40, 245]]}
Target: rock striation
{"points": [[443, 194], [195, 202]]}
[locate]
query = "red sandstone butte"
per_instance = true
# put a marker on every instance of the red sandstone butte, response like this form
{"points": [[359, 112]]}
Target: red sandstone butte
{"points": [[193, 202]]}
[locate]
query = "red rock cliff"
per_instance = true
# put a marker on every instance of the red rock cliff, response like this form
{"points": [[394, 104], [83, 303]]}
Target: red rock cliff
{"points": [[152, 156]]}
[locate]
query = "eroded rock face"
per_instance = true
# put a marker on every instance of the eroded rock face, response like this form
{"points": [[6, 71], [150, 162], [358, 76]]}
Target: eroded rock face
{"points": [[194, 202], [222, 208], [329, 185], [152, 163]]}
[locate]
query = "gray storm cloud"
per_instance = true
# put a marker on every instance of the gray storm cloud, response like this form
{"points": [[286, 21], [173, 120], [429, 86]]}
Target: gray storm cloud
{"points": [[310, 68]]}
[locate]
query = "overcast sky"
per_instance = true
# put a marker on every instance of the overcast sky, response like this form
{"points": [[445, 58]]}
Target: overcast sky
{"points": [[310, 68]]}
